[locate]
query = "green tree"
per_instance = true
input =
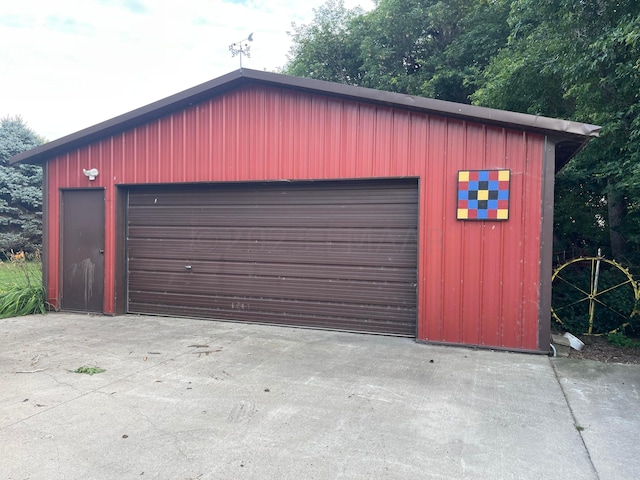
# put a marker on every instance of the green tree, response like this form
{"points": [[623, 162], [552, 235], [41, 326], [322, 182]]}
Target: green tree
{"points": [[482, 32], [20, 189], [431, 48], [525, 76], [579, 60], [327, 48], [605, 82], [420, 47]]}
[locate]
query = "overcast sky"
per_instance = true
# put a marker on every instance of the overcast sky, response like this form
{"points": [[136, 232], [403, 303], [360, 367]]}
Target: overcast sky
{"points": [[68, 64]]}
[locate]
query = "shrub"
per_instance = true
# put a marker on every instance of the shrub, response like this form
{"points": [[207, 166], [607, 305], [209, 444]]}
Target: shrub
{"points": [[621, 340]]}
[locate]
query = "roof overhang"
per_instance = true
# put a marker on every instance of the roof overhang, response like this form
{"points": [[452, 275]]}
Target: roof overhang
{"points": [[568, 136]]}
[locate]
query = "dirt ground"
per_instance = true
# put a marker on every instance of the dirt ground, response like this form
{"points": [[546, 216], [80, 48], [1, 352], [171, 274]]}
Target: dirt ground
{"points": [[599, 349]]}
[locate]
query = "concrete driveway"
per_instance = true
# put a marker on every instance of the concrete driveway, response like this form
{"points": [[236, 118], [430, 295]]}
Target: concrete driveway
{"points": [[192, 399]]}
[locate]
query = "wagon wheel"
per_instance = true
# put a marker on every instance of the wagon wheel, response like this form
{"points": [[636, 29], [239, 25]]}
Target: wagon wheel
{"points": [[593, 295]]}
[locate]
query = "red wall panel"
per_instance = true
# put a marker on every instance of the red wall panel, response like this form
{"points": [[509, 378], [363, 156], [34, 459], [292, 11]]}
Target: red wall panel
{"points": [[478, 281]]}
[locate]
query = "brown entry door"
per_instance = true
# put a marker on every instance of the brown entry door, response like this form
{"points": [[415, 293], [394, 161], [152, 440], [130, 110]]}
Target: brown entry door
{"points": [[82, 248]]}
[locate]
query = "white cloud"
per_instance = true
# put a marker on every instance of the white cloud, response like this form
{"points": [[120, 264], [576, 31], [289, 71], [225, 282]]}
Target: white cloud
{"points": [[69, 64]]}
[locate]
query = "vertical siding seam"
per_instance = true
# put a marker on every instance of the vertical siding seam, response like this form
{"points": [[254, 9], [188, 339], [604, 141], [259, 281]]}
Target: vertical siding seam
{"points": [[179, 138], [122, 155], [326, 135], [385, 158], [395, 140], [360, 133], [196, 147], [483, 236], [253, 163], [338, 162], [367, 163], [443, 229], [185, 148], [147, 158], [523, 197], [421, 283], [209, 130], [161, 151], [255, 99], [308, 140], [463, 230], [431, 162], [501, 319], [240, 161], [394, 165], [295, 134], [65, 169], [273, 161], [135, 159], [171, 176], [421, 273], [441, 222], [112, 178], [343, 150], [284, 112], [224, 139]]}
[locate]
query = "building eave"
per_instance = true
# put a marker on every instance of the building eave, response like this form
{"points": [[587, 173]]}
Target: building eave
{"points": [[569, 136]]}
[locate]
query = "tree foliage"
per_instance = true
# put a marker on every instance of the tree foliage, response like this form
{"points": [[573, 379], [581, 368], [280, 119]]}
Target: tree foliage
{"points": [[578, 60], [419, 47], [20, 189], [326, 49]]}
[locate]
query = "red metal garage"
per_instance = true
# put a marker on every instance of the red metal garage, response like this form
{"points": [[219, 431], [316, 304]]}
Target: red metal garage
{"points": [[268, 198]]}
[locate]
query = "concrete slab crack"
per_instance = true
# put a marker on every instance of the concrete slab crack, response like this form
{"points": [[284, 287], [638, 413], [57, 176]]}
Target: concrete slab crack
{"points": [[574, 419]]}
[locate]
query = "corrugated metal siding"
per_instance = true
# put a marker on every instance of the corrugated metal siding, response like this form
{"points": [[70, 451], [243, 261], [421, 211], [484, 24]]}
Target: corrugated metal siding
{"points": [[338, 255], [469, 291]]}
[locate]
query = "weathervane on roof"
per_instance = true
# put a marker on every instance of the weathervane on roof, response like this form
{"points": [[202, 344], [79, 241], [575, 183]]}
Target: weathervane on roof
{"points": [[238, 48]]}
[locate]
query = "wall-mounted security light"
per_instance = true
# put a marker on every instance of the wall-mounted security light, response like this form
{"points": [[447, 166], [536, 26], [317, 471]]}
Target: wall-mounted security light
{"points": [[92, 174]]}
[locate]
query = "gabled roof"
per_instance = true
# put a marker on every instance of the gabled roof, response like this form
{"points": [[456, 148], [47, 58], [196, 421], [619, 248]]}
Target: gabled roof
{"points": [[569, 136]]}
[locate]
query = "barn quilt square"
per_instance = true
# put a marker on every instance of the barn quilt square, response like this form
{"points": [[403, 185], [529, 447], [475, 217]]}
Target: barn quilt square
{"points": [[483, 194]]}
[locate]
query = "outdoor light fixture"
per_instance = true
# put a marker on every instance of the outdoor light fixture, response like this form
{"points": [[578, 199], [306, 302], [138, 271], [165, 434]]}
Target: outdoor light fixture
{"points": [[238, 48], [92, 174]]}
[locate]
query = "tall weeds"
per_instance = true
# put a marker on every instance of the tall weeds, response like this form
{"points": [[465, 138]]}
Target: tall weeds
{"points": [[23, 294]]}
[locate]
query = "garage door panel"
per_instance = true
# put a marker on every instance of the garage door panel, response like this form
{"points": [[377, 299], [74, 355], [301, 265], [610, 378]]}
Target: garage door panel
{"points": [[372, 293], [276, 252], [316, 321], [321, 271], [351, 216], [353, 235], [337, 254], [271, 195], [346, 324], [225, 306]]}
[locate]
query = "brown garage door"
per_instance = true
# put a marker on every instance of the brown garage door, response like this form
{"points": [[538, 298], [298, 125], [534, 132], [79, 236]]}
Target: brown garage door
{"points": [[338, 255]]}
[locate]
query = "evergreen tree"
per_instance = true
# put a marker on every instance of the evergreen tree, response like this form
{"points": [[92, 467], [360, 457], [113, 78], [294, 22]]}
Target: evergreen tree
{"points": [[20, 190]]}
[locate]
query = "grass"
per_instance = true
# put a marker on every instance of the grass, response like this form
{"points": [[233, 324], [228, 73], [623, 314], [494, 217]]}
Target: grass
{"points": [[89, 370], [21, 291], [12, 274]]}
